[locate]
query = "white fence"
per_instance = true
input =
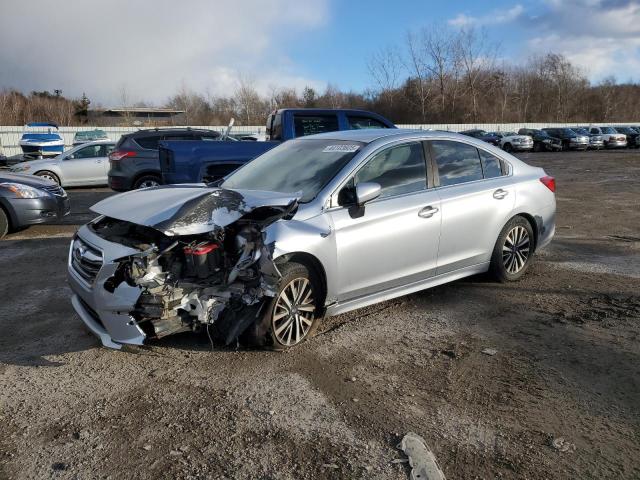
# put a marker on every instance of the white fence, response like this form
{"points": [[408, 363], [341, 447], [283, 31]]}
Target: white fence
{"points": [[10, 135]]}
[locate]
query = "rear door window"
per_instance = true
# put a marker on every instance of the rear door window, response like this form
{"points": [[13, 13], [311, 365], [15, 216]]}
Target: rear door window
{"points": [[149, 142], [311, 124], [398, 170], [360, 123], [456, 162]]}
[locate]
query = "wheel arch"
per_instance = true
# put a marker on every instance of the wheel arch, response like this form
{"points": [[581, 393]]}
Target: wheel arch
{"points": [[9, 212], [310, 261], [50, 170], [534, 225], [147, 173]]}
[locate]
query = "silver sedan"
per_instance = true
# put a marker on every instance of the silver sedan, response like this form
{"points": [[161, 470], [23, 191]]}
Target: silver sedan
{"points": [[85, 164], [316, 226]]}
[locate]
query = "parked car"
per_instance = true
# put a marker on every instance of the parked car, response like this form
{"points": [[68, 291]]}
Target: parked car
{"points": [[85, 136], [611, 138], [135, 164], [570, 139], [596, 142], [483, 135], [27, 200], [192, 162], [86, 164], [316, 226], [631, 134], [513, 142], [542, 141]]}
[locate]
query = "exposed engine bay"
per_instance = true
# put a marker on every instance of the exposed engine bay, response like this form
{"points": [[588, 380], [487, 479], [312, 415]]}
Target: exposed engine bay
{"points": [[222, 278]]}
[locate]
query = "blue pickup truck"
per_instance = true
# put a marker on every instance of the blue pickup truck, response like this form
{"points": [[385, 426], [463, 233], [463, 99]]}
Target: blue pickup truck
{"points": [[188, 161]]}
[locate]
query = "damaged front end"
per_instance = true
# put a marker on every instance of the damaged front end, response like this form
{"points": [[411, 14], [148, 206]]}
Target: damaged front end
{"points": [[193, 263]]}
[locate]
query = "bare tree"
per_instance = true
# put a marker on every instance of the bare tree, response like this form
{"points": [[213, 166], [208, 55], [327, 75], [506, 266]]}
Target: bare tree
{"points": [[416, 64], [476, 56], [385, 66]]}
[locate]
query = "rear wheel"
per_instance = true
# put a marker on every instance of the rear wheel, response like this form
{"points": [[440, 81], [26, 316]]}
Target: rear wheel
{"points": [[513, 250], [147, 181], [4, 223], [49, 176]]}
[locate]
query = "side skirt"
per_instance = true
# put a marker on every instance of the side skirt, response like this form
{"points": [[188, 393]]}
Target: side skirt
{"points": [[347, 306]]}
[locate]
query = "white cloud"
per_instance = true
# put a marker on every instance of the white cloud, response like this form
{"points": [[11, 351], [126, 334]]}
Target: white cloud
{"points": [[151, 47], [494, 18], [602, 37]]}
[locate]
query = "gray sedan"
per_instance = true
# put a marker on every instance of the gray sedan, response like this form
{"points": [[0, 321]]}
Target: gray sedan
{"points": [[26, 200], [317, 226], [83, 165]]}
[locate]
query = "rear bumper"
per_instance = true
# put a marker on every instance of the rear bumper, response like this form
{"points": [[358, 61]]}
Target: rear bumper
{"points": [[105, 313], [616, 144], [522, 148], [578, 145], [32, 211], [120, 183]]}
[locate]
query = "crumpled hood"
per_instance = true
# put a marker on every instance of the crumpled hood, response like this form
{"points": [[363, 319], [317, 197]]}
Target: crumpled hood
{"points": [[189, 209]]}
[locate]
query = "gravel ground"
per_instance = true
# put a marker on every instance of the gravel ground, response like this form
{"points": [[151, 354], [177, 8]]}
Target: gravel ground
{"points": [[559, 399]]}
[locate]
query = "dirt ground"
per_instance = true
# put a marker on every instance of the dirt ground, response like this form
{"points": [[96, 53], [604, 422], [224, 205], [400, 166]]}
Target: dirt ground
{"points": [[566, 371]]}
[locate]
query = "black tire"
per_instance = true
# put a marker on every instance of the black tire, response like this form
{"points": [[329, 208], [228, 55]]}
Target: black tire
{"points": [[264, 332], [4, 223], [504, 262], [508, 148], [146, 181], [48, 175], [536, 147], [565, 146]]}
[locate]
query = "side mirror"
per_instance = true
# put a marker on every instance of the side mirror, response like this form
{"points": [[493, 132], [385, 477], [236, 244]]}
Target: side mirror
{"points": [[367, 191]]}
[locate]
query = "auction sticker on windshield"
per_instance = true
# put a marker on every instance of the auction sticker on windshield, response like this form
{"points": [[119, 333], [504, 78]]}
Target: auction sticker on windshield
{"points": [[341, 148]]}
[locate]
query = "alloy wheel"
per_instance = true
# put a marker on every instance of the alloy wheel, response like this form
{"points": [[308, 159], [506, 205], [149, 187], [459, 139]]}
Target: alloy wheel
{"points": [[516, 249], [293, 312], [148, 183]]}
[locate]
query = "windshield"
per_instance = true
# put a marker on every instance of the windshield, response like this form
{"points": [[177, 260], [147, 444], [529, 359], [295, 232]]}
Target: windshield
{"points": [[581, 131], [608, 130], [304, 165]]}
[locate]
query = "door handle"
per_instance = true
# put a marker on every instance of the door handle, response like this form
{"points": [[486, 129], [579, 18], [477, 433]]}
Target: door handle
{"points": [[500, 194], [427, 212]]}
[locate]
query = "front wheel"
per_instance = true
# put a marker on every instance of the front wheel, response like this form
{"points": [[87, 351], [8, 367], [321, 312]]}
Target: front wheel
{"points": [[4, 223], [513, 250], [508, 148], [292, 316], [49, 176]]}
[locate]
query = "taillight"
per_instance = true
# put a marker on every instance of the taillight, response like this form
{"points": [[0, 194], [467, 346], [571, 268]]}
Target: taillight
{"points": [[549, 182], [120, 154]]}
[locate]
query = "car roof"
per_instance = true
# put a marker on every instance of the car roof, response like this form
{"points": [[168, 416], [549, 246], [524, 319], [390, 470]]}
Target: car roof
{"points": [[365, 135], [96, 142], [370, 135], [160, 131]]}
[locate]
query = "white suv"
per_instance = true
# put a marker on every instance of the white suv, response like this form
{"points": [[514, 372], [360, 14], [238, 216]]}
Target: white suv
{"points": [[512, 142]]}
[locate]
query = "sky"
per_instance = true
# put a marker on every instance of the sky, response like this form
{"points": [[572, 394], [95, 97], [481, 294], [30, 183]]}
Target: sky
{"points": [[124, 51]]}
